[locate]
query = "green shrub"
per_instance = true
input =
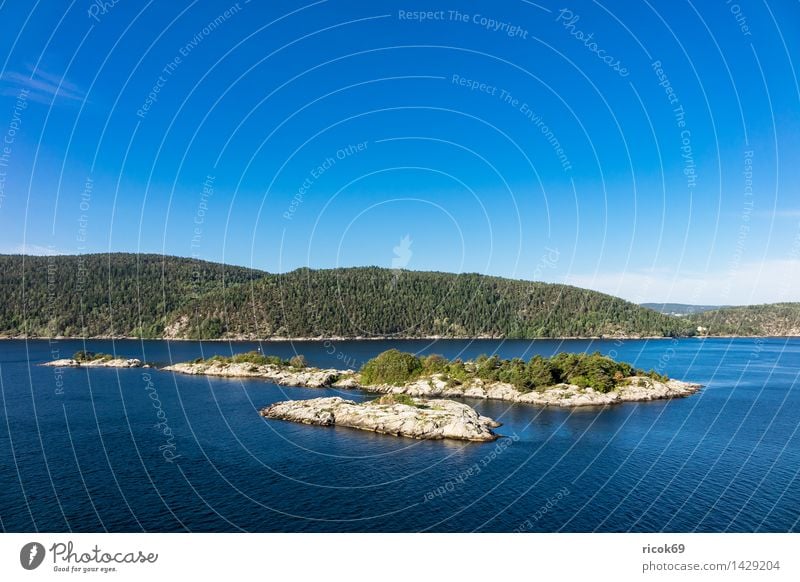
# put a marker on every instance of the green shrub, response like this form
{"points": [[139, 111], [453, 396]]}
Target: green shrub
{"points": [[252, 357], [488, 368], [540, 372], [435, 364], [581, 381], [391, 367], [389, 399], [457, 371], [656, 376], [585, 370], [298, 361], [86, 356], [591, 370], [255, 358]]}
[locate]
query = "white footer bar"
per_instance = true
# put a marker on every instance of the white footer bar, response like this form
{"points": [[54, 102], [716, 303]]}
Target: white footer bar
{"points": [[407, 557]]}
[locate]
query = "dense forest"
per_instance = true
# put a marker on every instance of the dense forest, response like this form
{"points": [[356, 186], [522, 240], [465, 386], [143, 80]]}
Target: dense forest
{"points": [[381, 302], [155, 296], [775, 319], [101, 295]]}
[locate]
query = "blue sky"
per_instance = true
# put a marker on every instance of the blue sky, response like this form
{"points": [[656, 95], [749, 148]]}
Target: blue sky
{"points": [[648, 150]]}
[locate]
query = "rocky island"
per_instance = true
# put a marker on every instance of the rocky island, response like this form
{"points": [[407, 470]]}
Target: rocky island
{"points": [[292, 372], [634, 389], [565, 380], [391, 414], [84, 359]]}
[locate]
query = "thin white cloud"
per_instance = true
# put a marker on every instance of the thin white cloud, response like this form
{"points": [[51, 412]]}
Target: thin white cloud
{"points": [[772, 281], [42, 87]]}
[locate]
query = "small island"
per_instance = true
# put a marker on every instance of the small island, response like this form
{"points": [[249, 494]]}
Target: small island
{"points": [[291, 372], [565, 380], [86, 359], [391, 414]]}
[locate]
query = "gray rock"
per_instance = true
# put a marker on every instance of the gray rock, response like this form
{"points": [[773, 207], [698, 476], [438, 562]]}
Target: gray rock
{"points": [[420, 419], [304, 377], [99, 363]]}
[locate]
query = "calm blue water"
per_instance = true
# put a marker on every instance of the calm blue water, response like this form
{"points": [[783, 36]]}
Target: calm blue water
{"points": [[83, 452]]}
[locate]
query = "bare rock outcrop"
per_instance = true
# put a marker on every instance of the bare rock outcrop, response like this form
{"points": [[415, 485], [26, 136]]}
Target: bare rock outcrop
{"points": [[408, 417], [98, 363], [284, 376]]}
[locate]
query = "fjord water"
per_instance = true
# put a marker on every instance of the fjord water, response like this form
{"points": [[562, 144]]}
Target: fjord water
{"points": [[85, 451]]}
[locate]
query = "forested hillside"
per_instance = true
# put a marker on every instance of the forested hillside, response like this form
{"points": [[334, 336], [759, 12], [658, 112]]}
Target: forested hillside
{"points": [[154, 296], [117, 294], [775, 319], [373, 301]]}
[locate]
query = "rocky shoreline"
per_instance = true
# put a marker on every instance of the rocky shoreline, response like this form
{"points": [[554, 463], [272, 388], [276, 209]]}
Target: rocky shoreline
{"points": [[99, 363], [406, 417]]}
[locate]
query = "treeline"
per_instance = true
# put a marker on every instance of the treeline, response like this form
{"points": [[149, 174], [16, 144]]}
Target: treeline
{"points": [[153, 296]]}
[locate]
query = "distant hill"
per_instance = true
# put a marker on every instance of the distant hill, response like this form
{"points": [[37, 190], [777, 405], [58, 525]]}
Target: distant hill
{"points": [[153, 296], [382, 302], [775, 319], [679, 309]]}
